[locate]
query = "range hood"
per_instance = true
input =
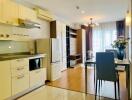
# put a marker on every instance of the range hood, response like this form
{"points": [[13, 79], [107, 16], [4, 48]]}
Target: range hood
{"points": [[28, 24]]}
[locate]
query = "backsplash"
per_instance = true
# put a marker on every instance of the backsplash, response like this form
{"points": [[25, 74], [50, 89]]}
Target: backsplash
{"points": [[15, 46]]}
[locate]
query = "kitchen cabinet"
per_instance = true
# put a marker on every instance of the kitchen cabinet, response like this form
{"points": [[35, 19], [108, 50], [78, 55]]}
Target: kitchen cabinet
{"points": [[1, 7], [5, 80], [21, 37], [27, 13], [20, 83], [20, 75], [64, 60], [58, 30], [37, 77], [55, 29], [10, 12]]}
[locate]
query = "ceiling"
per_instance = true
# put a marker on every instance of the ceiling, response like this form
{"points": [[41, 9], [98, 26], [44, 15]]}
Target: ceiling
{"points": [[99, 10]]}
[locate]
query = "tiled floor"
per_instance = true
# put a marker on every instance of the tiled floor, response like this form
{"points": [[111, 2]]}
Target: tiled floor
{"points": [[53, 93]]}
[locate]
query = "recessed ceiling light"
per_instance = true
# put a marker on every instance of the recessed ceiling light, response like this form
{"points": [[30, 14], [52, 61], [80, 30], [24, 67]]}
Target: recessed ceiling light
{"points": [[82, 11], [77, 7]]}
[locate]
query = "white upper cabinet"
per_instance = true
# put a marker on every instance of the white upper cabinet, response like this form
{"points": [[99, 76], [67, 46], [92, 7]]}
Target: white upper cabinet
{"points": [[27, 13], [5, 80], [1, 4], [10, 12]]}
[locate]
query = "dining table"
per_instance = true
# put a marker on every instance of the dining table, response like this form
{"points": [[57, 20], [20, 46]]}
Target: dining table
{"points": [[124, 62]]}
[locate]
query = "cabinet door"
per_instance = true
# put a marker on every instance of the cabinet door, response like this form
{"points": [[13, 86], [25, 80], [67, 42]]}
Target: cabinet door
{"points": [[64, 40], [58, 29], [83, 46], [15, 13], [37, 77], [20, 83], [1, 4], [63, 47], [10, 12], [5, 80], [27, 13]]}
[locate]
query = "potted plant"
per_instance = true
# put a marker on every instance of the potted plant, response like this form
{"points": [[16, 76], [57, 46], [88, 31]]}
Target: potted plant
{"points": [[120, 44]]}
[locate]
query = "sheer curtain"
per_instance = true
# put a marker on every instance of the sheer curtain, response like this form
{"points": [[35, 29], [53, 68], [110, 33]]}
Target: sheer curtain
{"points": [[103, 36]]}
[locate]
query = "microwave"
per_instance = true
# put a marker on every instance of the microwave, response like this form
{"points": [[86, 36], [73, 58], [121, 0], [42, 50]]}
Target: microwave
{"points": [[34, 64]]}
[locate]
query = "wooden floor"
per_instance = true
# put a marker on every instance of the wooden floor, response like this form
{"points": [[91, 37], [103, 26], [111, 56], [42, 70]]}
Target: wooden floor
{"points": [[74, 79]]}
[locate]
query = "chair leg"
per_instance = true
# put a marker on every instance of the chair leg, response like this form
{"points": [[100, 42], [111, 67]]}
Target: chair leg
{"points": [[96, 89], [115, 90], [119, 89], [99, 88], [94, 75]]}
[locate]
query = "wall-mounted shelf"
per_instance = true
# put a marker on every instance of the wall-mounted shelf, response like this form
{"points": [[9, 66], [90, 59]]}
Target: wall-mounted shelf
{"points": [[75, 57], [73, 35]]}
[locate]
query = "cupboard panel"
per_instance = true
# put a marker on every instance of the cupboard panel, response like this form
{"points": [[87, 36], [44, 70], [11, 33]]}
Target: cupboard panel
{"points": [[5, 80]]}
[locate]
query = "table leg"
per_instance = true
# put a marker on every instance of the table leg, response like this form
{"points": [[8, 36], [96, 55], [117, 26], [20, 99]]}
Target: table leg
{"points": [[94, 74], [128, 80], [85, 77]]}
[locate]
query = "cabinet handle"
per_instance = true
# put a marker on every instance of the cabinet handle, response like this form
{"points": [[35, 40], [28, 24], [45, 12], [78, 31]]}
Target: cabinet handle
{"points": [[20, 76], [38, 71], [20, 68], [19, 60]]}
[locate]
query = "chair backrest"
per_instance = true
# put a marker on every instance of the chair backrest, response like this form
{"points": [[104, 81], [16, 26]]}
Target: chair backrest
{"points": [[105, 67], [113, 51]]}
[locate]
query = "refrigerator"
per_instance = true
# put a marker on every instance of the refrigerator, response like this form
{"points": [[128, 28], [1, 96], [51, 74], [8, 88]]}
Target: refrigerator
{"points": [[51, 47]]}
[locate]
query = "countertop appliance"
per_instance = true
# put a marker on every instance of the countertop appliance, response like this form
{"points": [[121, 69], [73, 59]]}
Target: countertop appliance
{"points": [[34, 64], [51, 47]]}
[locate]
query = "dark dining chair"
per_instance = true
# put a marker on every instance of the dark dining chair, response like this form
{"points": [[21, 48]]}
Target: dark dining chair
{"points": [[105, 71], [114, 51]]}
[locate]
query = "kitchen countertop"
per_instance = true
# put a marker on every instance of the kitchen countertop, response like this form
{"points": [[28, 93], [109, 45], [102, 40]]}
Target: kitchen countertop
{"points": [[4, 57]]}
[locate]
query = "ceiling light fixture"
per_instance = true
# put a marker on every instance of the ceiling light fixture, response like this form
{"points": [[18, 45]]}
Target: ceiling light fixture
{"points": [[92, 24]]}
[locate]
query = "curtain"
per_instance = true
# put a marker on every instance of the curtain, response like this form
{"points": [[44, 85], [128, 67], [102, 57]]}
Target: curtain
{"points": [[103, 36], [89, 41], [120, 26]]}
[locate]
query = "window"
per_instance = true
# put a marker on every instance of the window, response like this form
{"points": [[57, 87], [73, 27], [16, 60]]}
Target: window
{"points": [[103, 36]]}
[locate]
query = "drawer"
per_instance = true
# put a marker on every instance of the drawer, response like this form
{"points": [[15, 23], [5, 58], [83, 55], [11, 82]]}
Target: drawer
{"points": [[19, 62], [37, 77], [20, 83], [20, 70]]}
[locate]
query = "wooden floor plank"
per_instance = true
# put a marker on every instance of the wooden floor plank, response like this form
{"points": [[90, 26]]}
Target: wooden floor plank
{"points": [[74, 79]]}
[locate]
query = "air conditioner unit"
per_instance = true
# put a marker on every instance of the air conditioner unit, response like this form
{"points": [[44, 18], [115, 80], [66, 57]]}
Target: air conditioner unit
{"points": [[44, 14]]}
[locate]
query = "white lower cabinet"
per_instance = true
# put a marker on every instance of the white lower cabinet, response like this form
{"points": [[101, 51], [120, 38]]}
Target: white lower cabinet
{"points": [[20, 75], [20, 83], [5, 80], [55, 71], [37, 77], [16, 78]]}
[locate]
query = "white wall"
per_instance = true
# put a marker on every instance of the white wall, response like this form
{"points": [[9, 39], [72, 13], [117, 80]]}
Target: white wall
{"points": [[44, 32], [130, 45]]}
